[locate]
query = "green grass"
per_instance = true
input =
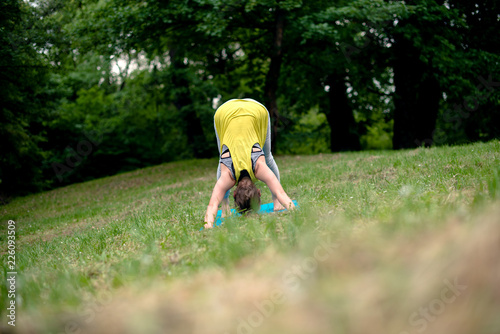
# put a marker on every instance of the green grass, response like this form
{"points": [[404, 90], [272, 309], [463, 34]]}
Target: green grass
{"points": [[138, 233]]}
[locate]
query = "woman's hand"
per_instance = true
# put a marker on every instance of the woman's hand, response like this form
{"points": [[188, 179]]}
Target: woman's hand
{"points": [[277, 205], [209, 216]]}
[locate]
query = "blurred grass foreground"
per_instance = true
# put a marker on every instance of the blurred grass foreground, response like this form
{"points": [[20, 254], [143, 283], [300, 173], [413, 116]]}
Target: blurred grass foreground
{"points": [[384, 242]]}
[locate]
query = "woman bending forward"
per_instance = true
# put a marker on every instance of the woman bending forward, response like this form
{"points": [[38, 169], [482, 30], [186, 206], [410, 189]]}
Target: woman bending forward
{"points": [[243, 131]]}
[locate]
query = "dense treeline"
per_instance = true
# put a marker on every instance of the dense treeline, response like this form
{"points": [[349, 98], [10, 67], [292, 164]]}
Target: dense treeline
{"points": [[90, 88]]}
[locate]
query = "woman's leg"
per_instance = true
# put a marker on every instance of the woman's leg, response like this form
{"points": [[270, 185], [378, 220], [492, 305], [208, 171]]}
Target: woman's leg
{"points": [[267, 150], [226, 195], [271, 163], [218, 148]]}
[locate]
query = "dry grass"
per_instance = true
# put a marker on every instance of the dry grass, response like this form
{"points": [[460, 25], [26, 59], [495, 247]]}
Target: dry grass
{"points": [[364, 285]]}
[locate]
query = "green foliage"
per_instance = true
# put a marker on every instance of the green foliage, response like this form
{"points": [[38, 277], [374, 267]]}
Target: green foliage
{"points": [[307, 135], [22, 112], [146, 76], [378, 136]]}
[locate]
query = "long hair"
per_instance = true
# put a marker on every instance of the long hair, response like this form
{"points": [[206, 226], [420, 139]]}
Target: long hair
{"points": [[247, 196]]}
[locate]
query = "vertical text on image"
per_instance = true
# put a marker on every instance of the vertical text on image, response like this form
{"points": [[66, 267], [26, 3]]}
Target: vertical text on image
{"points": [[11, 274]]}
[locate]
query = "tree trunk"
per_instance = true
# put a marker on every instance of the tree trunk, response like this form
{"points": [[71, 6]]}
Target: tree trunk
{"points": [[273, 74], [417, 97], [344, 135], [184, 103]]}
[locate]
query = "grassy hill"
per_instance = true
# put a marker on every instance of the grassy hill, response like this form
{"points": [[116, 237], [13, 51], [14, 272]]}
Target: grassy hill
{"points": [[383, 242]]}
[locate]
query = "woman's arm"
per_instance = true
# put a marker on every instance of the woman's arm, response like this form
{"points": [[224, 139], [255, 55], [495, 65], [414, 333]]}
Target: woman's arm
{"points": [[224, 183], [264, 173]]}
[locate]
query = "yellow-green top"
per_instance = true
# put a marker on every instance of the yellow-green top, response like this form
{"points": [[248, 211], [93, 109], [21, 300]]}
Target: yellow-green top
{"points": [[240, 124]]}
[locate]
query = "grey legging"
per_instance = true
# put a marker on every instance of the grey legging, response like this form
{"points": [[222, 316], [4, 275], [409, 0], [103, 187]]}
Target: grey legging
{"points": [[267, 151]]}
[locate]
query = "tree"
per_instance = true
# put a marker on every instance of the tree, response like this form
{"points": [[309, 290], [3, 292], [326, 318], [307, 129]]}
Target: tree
{"points": [[449, 47], [471, 110], [344, 51], [418, 91], [147, 75], [21, 109]]}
